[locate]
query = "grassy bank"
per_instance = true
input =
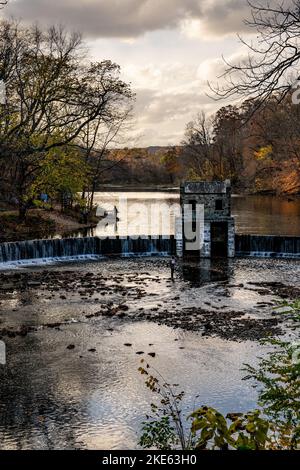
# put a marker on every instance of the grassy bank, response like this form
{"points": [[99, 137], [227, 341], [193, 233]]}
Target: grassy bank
{"points": [[38, 224]]}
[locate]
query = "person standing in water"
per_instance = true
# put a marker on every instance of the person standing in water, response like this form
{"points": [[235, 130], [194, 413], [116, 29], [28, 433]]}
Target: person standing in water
{"points": [[172, 266]]}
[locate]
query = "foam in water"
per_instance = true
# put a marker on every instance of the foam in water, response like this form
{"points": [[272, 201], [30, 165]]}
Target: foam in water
{"points": [[266, 254], [47, 261], [38, 252], [264, 246]]}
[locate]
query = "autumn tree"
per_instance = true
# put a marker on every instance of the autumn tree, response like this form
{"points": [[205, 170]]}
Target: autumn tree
{"points": [[197, 147], [227, 148], [61, 174], [51, 89], [212, 147], [172, 164], [97, 139]]}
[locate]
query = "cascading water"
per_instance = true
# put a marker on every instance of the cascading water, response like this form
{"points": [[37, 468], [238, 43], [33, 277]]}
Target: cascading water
{"points": [[78, 248], [267, 246], [52, 250]]}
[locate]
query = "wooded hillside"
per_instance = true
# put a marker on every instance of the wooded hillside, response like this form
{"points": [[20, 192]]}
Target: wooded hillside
{"points": [[258, 149]]}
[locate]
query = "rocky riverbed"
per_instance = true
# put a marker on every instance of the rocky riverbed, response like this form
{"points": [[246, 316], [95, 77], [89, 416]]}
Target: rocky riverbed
{"points": [[122, 291], [75, 334]]}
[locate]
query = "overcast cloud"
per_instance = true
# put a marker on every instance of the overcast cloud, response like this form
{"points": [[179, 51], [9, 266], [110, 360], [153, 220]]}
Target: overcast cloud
{"points": [[167, 49], [131, 18]]}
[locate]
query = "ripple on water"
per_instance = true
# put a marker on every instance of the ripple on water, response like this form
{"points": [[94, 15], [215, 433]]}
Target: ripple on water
{"points": [[52, 397]]}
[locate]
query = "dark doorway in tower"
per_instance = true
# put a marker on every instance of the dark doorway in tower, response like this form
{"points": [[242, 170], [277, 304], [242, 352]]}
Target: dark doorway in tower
{"points": [[219, 239]]}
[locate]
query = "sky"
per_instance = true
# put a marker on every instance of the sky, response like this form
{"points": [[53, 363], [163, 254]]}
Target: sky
{"points": [[168, 50]]}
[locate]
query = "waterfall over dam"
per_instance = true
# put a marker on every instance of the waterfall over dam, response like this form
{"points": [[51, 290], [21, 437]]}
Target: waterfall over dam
{"points": [[96, 247], [267, 246], [85, 247]]}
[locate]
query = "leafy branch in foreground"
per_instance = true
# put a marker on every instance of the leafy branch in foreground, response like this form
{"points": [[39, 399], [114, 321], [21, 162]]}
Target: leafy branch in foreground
{"points": [[276, 426], [165, 427], [279, 396]]}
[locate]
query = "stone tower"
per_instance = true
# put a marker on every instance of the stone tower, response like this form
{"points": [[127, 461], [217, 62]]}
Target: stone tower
{"points": [[217, 225]]}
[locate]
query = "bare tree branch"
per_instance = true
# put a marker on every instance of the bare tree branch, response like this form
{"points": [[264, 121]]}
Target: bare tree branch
{"points": [[272, 64]]}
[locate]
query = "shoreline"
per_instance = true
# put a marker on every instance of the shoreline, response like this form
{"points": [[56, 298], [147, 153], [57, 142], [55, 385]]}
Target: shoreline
{"points": [[43, 224], [39, 224]]}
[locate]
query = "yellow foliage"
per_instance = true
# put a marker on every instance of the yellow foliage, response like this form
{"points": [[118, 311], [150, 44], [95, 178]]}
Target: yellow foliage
{"points": [[264, 153]]}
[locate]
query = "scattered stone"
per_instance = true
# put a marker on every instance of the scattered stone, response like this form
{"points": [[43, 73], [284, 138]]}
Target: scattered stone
{"points": [[125, 308], [33, 283]]}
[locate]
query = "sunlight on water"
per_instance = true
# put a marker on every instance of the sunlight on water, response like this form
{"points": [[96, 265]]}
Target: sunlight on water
{"points": [[52, 397], [155, 212]]}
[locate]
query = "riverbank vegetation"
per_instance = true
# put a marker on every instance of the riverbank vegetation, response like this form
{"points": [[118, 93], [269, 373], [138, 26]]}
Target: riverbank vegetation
{"points": [[63, 119], [58, 106], [274, 426]]}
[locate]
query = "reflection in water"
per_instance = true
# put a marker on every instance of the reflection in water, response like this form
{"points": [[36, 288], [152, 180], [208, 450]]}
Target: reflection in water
{"points": [[203, 271], [139, 213], [266, 215], [153, 213], [261, 215], [52, 397]]}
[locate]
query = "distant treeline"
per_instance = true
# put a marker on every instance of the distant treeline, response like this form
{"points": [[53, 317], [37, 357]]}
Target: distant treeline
{"points": [[61, 117], [256, 146]]}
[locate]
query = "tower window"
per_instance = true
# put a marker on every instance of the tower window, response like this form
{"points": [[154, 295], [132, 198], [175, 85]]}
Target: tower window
{"points": [[219, 205]]}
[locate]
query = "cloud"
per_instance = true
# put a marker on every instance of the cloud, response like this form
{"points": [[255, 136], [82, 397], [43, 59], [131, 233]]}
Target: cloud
{"points": [[107, 18], [168, 97], [223, 17], [132, 18], [169, 68]]}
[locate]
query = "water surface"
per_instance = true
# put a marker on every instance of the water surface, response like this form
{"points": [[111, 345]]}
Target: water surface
{"points": [[55, 398], [141, 213]]}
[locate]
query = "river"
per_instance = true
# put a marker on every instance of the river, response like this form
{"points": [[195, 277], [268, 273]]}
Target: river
{"points": [[146, 213], [92, 396]]}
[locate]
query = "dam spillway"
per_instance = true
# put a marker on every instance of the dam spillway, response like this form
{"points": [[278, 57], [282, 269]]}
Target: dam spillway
{"points": [[268, 246], [84, 247], [97, 247]]}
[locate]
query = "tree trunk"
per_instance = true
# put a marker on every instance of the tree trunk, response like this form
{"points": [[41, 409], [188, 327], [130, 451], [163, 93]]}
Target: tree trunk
{"points": [[92, 195], [22, 212]]}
